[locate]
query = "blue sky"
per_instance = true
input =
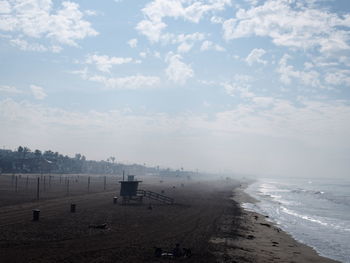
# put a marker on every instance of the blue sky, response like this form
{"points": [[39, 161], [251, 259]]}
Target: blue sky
{"points": [[247, 86]]}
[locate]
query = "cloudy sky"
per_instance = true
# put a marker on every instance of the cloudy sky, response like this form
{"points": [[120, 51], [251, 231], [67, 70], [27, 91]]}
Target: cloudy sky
{"points": [[248, 86]]}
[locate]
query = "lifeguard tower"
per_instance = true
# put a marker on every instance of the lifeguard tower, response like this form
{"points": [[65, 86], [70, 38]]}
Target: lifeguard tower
{"points": [[129, 189], [129, 192]]}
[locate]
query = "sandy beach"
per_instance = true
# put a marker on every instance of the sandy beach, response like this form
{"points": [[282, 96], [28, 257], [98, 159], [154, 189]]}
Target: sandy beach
{"points": [[206, 218]]}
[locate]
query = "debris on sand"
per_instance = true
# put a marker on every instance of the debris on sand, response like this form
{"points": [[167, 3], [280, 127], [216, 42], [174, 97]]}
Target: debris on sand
{"points": [[98, 226], [177, 252]]}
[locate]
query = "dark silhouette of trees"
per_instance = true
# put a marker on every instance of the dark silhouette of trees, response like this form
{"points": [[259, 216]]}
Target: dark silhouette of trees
{"points": [[23, 160]]}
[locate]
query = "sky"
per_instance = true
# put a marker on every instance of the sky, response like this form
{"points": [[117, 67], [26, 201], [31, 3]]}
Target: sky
{"points": [[243, 86]]}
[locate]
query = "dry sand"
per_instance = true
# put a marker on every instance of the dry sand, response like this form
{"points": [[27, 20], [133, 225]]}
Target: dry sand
{"points": [[204, 218]]}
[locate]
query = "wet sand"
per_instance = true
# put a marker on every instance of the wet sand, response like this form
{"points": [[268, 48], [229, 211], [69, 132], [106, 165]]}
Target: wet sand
{"points": [[204, 218]]}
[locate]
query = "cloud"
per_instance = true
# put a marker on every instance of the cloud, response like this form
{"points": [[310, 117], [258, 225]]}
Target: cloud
{"points": [[216, 20], [38, 92], [38, 20], [26, 46], [288, 73], [178, 71], [90, 12], [5, 7], [303, 28], [338, 78], [127, 83], [185, 41], [132, 42], [239, 86], [9, 89], [209, 45], [151, 29], [255, 56], [143, 54], [193, 11], [104, 63]]}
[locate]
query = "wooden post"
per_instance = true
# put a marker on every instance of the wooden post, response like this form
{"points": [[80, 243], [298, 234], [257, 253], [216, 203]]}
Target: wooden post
{"points": [[16, 183], [36, 213], [38, 189], [104, 185], [89, 184], [123, 175], [68, 187], [44, 183], [60, 178], [72, 208], [27, 182], [49, 181]]}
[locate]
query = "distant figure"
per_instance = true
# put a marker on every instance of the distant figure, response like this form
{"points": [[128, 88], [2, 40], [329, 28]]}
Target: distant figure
{"points": [[177, 251], [149, 207], [187, 252], [158, 252]]}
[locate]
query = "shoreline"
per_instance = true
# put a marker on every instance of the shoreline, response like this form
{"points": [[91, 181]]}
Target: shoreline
{"points": [[258, 240]]}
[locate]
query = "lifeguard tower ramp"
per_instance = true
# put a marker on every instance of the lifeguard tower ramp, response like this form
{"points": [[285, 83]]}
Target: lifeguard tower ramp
{"points": [[155, 196]]}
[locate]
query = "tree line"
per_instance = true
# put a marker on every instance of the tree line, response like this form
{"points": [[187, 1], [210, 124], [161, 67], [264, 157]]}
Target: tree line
{"points": [[23, 160]]}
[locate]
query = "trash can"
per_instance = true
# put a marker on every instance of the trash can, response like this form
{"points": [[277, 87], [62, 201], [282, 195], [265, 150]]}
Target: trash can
{"points": [[36, 213], [72, 208], [115, 200]]}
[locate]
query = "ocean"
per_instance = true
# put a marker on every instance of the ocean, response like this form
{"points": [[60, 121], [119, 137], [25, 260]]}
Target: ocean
{"points": [[315, 212]]}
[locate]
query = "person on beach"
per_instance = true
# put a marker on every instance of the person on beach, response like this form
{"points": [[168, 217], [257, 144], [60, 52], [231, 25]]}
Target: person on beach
{"points": [[177, 251]]}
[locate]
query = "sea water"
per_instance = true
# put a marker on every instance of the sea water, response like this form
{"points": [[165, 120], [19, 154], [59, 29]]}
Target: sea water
{"points": [[315, 212]]}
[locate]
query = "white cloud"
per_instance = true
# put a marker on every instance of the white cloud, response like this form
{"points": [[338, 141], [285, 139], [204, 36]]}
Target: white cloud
{"points": [[26, 46], [9, 89], [132, 42], [340, 77], [255, 56], [143, 54], [185, 41], [178, 71], [90, 12], [216, 20], [184, 47], [38, 92], [37, 19], [129, 82], [193, 11], [288, 73], [239, 86], [104, 63], [209, 45], [151, 29], [5, 7], [304, 27]]}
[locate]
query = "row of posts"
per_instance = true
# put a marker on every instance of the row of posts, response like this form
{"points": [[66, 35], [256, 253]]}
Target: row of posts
{"points": [[14, 182]]}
